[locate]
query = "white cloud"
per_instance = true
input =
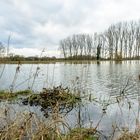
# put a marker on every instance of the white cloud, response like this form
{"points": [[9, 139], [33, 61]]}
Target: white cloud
{"points": [[25, 51], [34, 52]]}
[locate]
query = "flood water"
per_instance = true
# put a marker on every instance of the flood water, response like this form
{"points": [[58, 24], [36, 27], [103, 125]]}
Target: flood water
{"points": [[105, 82]]}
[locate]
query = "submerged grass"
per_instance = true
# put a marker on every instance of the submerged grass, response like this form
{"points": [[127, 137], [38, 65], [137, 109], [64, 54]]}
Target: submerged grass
{"points": [[7, 95], [53, 99], [24, 92]]}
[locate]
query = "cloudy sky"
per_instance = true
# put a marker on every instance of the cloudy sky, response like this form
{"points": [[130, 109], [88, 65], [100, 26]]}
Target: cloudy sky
{"points": [[37, 24]]}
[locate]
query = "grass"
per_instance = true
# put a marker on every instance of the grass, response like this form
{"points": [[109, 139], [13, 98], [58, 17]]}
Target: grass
{"points": [[53, 99], [130, 136], [24, 92], [29, 126], [6, 95], [82, 134]]}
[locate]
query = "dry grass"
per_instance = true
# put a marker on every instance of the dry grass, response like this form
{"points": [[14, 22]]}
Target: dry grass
{"points": [[130, 136], [27, 126]]}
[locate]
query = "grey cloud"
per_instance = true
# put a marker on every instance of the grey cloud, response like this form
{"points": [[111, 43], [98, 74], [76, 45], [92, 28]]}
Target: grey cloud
{"points": [[40, 23]]}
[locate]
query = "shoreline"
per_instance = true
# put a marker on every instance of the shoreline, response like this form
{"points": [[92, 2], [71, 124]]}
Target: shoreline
{"points": [[63, 61]]}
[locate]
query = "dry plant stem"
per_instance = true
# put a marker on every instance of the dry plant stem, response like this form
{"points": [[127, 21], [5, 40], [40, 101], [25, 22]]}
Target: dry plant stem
{"points": [[28, 79], [37, 70], [8, 45], [2, 71], [35, 76], [30, 73], [15, 78], [46, 83]]}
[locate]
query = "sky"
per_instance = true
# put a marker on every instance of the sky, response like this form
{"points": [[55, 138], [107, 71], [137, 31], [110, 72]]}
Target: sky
{"points": [[35, 25]]}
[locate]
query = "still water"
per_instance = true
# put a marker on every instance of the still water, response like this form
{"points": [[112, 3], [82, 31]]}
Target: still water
{"points": [[105, 82]]}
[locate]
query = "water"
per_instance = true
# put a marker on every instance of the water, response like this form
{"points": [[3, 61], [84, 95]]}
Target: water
{"points": [[100, 79], [105, 82]]}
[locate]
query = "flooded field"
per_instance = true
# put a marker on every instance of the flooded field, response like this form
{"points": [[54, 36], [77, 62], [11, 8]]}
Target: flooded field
{"points": [[109, 90]]}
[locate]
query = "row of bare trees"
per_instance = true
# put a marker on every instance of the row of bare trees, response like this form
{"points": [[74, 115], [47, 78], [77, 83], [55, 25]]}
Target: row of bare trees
{"points": [[76, 46], [119, 41]]}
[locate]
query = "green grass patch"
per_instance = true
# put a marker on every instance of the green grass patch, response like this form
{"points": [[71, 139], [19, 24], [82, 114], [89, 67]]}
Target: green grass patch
{"points": [[23, 92], [82, 134], [6, 95]]}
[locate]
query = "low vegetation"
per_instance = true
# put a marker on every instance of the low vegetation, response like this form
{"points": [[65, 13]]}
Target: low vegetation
{"points": [[54, 99], [7, 95], [130, 136], [82, 134], [29, 126]]}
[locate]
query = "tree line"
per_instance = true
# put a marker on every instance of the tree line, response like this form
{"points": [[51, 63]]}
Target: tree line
{"points": [[22, 58], [119, 41]]}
